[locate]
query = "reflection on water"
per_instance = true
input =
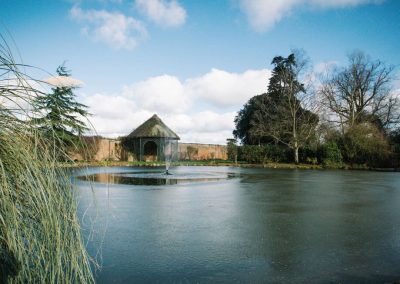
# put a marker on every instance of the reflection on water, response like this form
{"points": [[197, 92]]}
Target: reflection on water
{"points": [[154, 177], [262, 226]]}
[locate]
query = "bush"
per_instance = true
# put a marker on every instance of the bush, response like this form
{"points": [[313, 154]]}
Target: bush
{"points": [[308, 155], [255, 154], [252, 154], [278, 153], [365, 144], [232, 150], [329, 155]]}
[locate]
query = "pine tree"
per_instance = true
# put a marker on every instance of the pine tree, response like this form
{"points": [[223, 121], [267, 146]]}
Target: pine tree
{"points": [[281, 114], [60, 114]]}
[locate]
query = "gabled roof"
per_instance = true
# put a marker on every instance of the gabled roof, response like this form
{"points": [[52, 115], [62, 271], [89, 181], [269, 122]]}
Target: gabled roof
{"points": [[153, 127]]}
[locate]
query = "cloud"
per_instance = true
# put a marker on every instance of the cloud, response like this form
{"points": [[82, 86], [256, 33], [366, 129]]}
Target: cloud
{"points": [[162, 94], [17, 94], [162, 12], [264, 14], [222, 88], [323, 67], [114, 29], [185, 106]]}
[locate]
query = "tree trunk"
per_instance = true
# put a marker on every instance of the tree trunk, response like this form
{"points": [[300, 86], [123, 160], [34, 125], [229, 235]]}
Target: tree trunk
{"points": [[296, 154]]}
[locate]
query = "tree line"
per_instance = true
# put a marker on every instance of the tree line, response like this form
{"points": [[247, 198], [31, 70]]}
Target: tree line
{"points": [[345, 115]]}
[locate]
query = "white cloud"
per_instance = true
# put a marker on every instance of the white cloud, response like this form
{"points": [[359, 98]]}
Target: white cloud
{"points": [[183, 105], [112, 107], [161, 94], [114, 29], [323, 67], [17, 94], [222, 88], [163, 12], [264, 14]]}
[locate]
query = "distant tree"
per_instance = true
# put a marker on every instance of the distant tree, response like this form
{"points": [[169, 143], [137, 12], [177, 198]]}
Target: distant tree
{"points": [[232, 150], [361, 92], [282, 114], [243, 121], [60, 114]]}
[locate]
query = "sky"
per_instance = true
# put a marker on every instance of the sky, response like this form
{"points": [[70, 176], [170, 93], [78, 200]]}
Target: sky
{"points": [[193, 62]]}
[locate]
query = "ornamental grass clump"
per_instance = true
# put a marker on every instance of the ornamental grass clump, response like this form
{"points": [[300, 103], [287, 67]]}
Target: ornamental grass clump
{"points": [[40, 237]]}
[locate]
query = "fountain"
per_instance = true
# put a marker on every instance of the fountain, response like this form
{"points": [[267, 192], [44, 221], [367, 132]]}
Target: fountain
{"points": [[170, 153]]}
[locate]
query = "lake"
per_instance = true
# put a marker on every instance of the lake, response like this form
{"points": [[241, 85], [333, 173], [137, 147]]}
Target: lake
{"points": [[241, 225]]}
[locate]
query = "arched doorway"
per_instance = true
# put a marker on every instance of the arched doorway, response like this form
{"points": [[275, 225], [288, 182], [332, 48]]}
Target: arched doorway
{"points": [[150, 151]]}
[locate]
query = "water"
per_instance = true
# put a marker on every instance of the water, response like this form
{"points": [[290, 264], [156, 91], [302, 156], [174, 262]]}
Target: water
{"points": [[170, 152], [233, 225]]}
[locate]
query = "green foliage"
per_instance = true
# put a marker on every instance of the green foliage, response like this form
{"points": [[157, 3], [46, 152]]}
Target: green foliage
{"points": [[284, 78], [330, 155], [365, 144], [243, 121], [252, 154], [308, 155], [278, 116], [60, 114], [232, 150], [278, 153], [255, 154], [394, 140]]}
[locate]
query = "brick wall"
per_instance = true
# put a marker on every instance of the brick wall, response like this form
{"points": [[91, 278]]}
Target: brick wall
{"points": [[110, 149], [195, 151]]}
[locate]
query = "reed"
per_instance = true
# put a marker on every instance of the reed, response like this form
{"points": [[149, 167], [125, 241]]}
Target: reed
{"points": [[40, 236]]}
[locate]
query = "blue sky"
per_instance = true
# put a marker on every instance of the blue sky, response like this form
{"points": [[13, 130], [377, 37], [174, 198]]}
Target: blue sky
{"points": [[195, 63]]}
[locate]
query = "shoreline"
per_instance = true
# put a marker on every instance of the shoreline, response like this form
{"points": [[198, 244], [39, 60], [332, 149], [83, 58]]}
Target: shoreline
{"points": [[220, 163]]}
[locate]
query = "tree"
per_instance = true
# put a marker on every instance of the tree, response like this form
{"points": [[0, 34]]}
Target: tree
{"points": [[361, 92], [232, 150], [364, 143], [60, 113], [282, 114], [243, 121]]}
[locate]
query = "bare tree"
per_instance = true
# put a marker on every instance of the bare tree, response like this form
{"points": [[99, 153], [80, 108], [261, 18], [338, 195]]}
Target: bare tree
{"points": [[361, 92], [284, 113]]}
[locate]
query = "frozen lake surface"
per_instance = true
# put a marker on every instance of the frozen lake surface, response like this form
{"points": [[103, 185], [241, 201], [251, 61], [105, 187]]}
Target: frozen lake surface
{"points": [[237, 225]]}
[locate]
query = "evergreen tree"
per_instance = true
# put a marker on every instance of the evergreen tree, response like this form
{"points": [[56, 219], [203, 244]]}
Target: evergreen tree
{"points": [[281, 114], [243, 120], [60, 114]]}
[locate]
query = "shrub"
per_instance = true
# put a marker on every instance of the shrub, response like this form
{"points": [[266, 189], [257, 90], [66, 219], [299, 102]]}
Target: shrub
{"points": [[308, 155], [365, 144], [255, 154], [277, 153], [232, 150], [252, 154], [329, 155]]}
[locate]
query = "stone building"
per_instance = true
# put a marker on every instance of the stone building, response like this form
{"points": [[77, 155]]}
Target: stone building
{"points": [[152, 141]]}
